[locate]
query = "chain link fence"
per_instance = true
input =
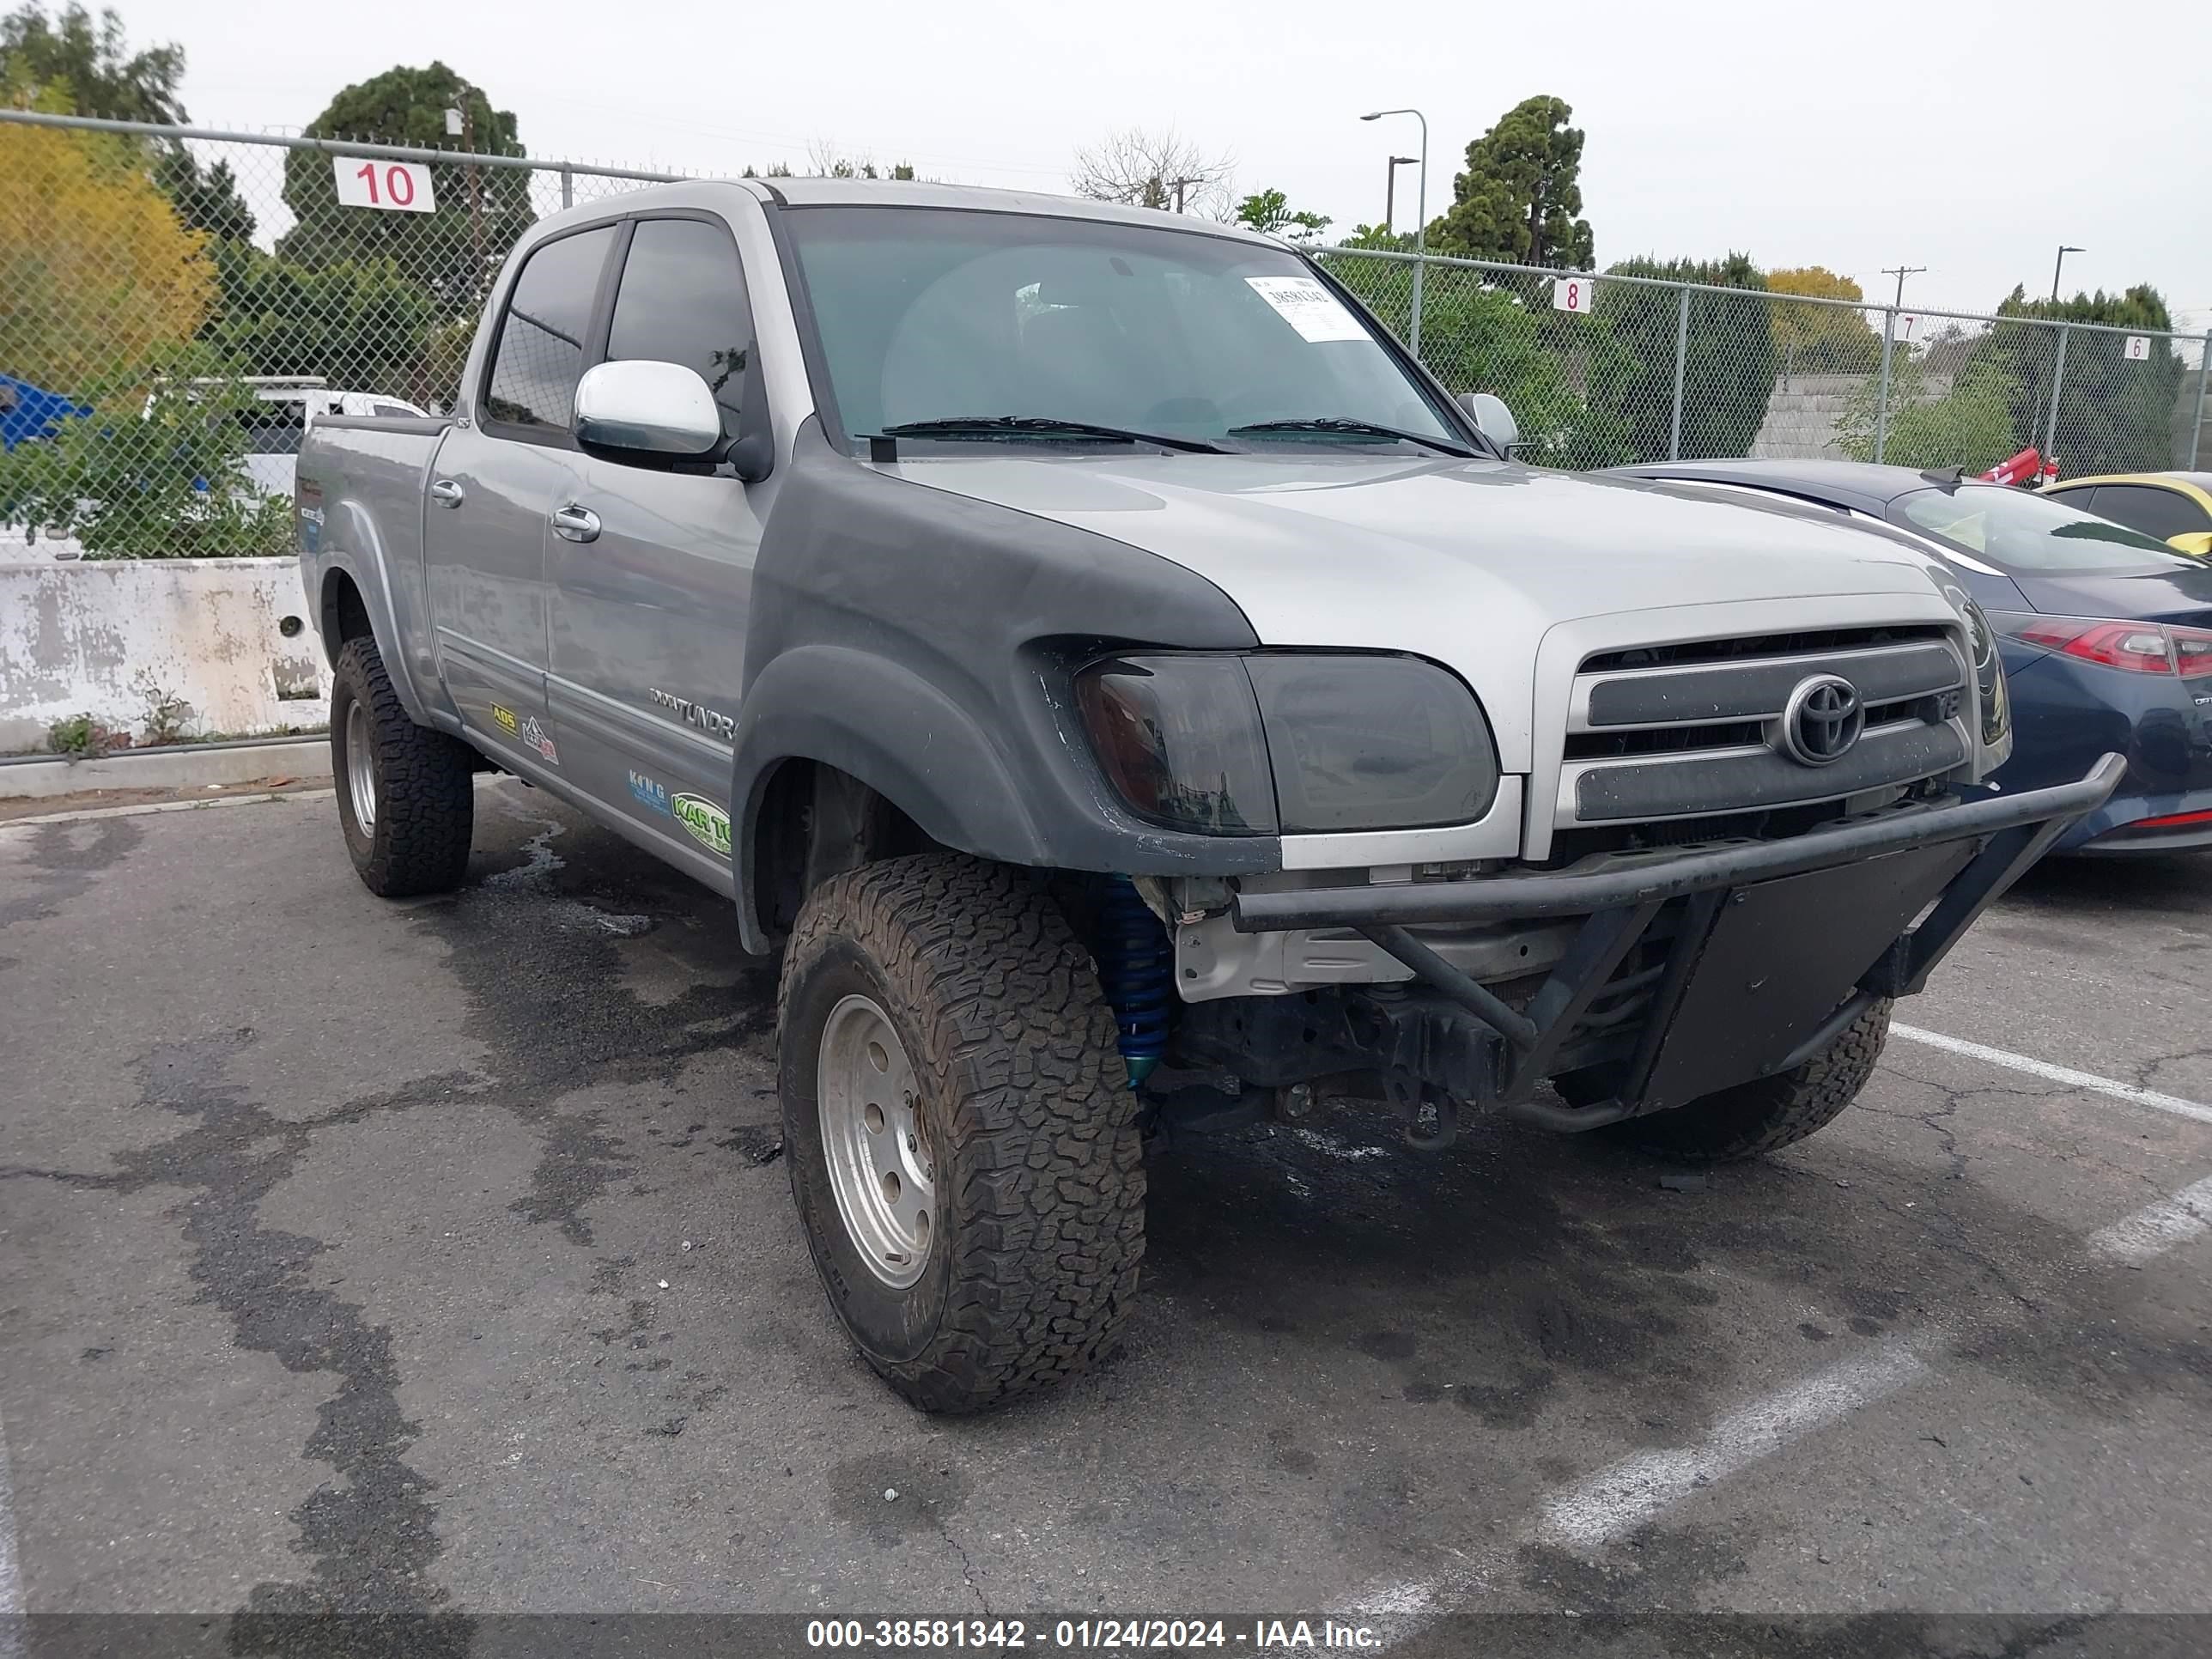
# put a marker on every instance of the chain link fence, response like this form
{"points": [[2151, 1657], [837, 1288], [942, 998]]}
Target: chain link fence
{"points": [[180, 301], [1603, 370]]}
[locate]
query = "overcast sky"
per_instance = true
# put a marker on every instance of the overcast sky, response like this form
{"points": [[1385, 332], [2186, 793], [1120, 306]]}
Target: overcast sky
{"points": [[1970, 138]]}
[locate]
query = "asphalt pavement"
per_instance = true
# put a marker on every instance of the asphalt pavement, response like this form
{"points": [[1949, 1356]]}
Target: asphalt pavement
{"points": [[436, 1260]]}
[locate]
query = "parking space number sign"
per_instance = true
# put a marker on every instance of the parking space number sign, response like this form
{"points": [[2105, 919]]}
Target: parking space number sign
{"points": [[2138, 349], [1572, 293], [394, 187]]}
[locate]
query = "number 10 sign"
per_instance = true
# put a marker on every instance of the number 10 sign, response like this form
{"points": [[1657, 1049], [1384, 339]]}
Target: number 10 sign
{"points": [[395, 186]]}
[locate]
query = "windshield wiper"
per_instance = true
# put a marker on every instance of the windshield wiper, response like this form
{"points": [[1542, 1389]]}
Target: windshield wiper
{"points": [[1042, 426], [1338, 424]]}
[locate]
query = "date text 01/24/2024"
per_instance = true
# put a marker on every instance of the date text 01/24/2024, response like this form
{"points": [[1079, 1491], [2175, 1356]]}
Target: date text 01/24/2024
{"points": [[1089, 1635]]}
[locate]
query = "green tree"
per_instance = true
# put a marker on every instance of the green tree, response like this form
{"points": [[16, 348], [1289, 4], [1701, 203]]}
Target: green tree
{"points": [[1476, 337], [2114, 415], [89, 60], [481, 210], [1269, 211], [1970, 427], [359, 324], [91, 66], [1728, 370], [1521, 198], [157, 472]]}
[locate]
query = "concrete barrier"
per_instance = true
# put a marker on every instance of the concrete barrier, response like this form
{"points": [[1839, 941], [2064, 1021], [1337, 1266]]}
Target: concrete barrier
{"points": [[226, 647]]}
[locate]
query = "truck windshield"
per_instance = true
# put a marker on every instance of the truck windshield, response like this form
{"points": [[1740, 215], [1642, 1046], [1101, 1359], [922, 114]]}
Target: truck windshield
{"points": [[2025, 535], [961, 319]]}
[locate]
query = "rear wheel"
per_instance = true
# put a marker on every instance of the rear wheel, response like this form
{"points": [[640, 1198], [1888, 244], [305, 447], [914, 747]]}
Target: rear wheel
{"points": [[406, 797], [1767, 1112], [960, 1133]]}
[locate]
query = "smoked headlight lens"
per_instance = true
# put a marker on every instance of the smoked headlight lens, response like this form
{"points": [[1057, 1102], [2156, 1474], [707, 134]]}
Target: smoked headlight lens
{"points": [[1289, 742], [1372, 743]]}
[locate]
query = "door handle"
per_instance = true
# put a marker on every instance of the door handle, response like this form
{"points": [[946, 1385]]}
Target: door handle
{"points": [[445, 492], [576, 524]]}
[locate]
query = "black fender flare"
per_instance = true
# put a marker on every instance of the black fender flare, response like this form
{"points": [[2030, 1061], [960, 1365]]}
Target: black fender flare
{"points": [[893, 731]]}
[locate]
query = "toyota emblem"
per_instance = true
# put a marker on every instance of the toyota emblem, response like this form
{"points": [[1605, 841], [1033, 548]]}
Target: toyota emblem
{"points": [[1822, 720]]}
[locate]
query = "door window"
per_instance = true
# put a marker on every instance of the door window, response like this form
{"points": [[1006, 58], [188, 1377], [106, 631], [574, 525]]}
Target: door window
{"points": [[683, 301], [539, 356], [2146, 508]]}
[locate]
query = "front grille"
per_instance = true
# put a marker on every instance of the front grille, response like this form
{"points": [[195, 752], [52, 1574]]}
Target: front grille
{"points": [[1692, 730], [1761, 645]]}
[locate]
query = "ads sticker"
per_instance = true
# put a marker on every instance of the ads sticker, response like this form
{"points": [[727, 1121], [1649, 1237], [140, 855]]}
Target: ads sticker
{"points": [[708, 824], [503, 718], [535, 739], [1309, 307], [651, 793]]}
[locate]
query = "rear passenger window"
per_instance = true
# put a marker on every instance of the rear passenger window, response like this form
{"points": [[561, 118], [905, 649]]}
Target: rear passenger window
{"points": [[2154, 511], [539, 355], [683, 301]]}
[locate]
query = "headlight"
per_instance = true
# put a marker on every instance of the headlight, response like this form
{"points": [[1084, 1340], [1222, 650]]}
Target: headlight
{"points": [[1289, 742]]}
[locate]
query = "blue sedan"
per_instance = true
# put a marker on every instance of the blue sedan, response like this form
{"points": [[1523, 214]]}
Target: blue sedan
{"points": [[2106, 633]]}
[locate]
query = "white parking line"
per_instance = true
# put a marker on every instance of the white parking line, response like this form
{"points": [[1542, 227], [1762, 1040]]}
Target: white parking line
{"points": [[2157, 1228], [1623, 1497], [2065, 1075]]}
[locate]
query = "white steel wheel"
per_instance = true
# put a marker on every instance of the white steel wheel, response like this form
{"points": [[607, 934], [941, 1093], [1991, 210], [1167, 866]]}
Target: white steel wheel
{"points": [[360, 767], [881, 1175]]}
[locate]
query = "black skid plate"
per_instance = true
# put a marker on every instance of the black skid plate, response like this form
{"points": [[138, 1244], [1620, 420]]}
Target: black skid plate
{"points": [[1781, 956]]}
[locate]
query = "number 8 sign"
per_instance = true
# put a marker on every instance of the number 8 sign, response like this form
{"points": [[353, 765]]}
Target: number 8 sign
{"points": [[1572, 293], [394, 187]]}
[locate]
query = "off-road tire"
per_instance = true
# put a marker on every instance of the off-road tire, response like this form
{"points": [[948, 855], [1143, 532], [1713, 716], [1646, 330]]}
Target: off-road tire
{"points": [[1766, 1112], [1025, 1108], [425, 799]]}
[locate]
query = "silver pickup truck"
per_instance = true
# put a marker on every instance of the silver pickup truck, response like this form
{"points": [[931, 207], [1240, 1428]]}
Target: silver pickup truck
{"points": [[1132, 694]]}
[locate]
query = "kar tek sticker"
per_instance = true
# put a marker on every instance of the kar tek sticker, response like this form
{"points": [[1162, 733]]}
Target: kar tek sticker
{"points": [[534, 737], [650, 792], [708, 824]]}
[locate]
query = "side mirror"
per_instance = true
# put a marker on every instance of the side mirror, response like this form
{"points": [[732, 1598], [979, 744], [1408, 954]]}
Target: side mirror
{"points": [[2197, 543], [1492, 419], [650, 408]]}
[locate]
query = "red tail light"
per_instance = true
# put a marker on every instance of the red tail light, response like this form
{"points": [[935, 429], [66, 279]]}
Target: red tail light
{"points": [[2192, 651], [2140, 648]]}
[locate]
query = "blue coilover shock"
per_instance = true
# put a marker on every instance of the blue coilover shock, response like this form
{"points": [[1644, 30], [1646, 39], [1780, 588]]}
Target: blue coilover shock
{"points": [[1136, 970]]}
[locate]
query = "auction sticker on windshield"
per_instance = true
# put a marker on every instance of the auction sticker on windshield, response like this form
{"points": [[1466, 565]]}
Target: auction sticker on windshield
{"points": [[1309, 307]]}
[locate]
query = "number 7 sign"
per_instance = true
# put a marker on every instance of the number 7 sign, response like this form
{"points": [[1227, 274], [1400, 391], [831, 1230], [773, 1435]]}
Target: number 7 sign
{"points": [[394, 187]]}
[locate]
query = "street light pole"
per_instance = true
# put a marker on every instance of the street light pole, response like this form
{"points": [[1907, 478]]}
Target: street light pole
{"points": [[1390, 190], [2059, 265], [1421, 225]]}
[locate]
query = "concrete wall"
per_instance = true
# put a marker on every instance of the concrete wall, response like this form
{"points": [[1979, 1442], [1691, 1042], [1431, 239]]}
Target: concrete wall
{"points": [[115, 637]]}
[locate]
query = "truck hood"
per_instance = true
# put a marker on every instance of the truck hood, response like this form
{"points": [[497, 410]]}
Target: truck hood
{"points": [[1472, 563]]}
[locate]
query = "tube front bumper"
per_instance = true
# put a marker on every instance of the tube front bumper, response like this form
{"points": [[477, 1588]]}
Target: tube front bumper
{"points": [[1673, 876], [1774, 948]]}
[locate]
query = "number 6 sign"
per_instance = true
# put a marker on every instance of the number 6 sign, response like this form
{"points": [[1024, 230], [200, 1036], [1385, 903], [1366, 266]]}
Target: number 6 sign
{"points": [[1572, 293], [395, 186]]}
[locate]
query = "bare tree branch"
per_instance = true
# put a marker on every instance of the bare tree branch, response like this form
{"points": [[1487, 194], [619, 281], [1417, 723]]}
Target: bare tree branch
{"points": [[1155, 169]]}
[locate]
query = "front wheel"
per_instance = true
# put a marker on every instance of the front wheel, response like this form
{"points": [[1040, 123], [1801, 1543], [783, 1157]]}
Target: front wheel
{"points": [[1767, 1112], [960, 1133]]}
